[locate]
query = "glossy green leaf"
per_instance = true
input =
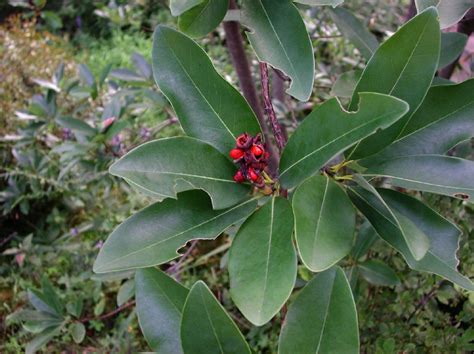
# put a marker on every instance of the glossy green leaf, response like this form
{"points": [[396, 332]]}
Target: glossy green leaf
{"points": [[438, 174], [262, 262], [356, 32], [378, 273], [168, 166], [208, 107], [452, 46], [206, 328], [443, 121], [443, 235], [323, 317], [332, 3], [78, 331], [203, 18], [153, 235], [279, 37], [403, 66], [450, 11], [346, 83], [178, 7], [160, 301], [324, 222], [330, 129]]}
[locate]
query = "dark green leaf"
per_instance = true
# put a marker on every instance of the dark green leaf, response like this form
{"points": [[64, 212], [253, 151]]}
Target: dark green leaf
{"points": [[143, 67], [179, 6], [378, 273], [324, 222], [208, 107], [206, 328], [168, 166], [279, 37], [356, 32], [365, 238], [404, 67], [323, 317], [450, 11], [452, 46], [41, 339], [86, 75], [153, 235], [126, 75], [444, 236], [204, 18], [262, 262], [160, 302], [76, 125], [330, 129], [346, 83]]}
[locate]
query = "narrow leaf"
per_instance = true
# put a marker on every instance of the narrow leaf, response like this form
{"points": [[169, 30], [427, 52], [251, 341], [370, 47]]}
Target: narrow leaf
{"points": [[153, 235], [356, 32], [452, 46], [365, 238], [404, 67], [262, 262], [41, 339], [279, 37], [324, 222], [378, 273], [177, 7], [329, 130], [160, 302], [166, 167], [323, 318], [450, 11], [332, 3], [203, 18], [208, 107], [206, 327], [443, 235]]}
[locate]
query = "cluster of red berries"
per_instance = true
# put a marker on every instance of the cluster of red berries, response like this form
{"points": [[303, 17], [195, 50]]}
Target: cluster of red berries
{"points": [[250, 154]]}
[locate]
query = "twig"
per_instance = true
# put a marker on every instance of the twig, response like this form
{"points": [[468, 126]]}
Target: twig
{"points": [[7, 239], [175, 267], [268, 106], [423, 301], [109, 314]]}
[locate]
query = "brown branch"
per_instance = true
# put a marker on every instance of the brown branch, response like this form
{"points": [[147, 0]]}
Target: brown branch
{"points": [[268, 106], [109, 314]]}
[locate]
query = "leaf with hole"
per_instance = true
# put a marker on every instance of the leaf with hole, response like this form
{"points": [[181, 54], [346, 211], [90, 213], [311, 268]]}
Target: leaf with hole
{"points": [[153, 235], [262, 262]]}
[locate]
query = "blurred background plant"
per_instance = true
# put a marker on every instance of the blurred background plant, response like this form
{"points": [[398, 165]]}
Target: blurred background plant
{"points": [[76, 93]]}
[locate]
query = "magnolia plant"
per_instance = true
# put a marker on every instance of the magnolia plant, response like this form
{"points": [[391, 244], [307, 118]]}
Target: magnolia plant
{"points": [[295, 201]]}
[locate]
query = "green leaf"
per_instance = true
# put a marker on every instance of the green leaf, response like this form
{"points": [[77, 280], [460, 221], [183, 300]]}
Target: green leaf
{"points": [[41, 339], [161, 229], [324, 222], [76, 125], [332, 3], [404, 67], [168, 166], [204, 18], [160, 302], [330, 129], [365, 238], [445, 175], [378, 273], [178, 7], [206, 327], [443, 235], [208, 107], [126, 291], [356, 32], [323, 317], [126, 75], [450, 11], [262, 262], [443, 121], [346, 83], [78, 332], [279, 37], [86, 76], [452, 46]]}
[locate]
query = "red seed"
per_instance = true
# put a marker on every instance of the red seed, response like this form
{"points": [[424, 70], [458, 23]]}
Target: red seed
{"points": [[239, 177], [257, 150], [252, 175], [236, 154]]}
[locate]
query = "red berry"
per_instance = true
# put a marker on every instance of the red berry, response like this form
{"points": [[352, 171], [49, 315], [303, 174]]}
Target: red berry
{"points": [[257, 150], [236, 154], [239, 177], [252, 175]]}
